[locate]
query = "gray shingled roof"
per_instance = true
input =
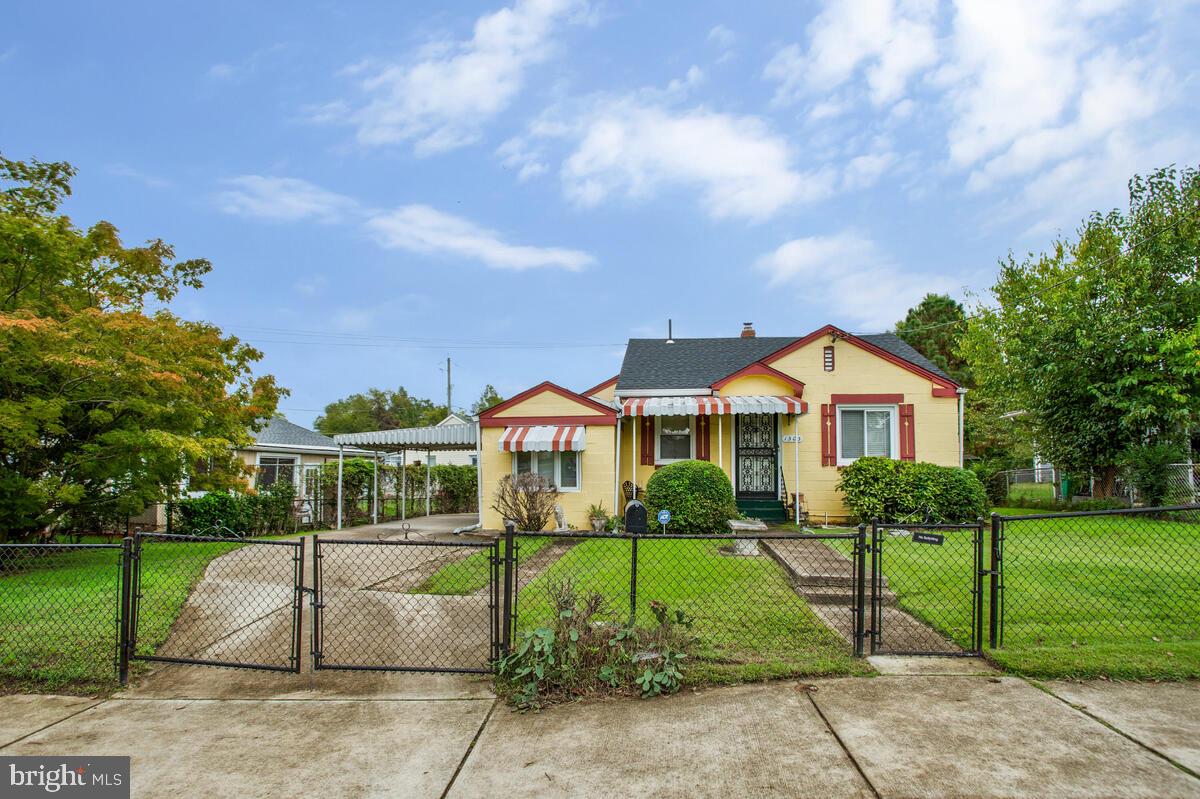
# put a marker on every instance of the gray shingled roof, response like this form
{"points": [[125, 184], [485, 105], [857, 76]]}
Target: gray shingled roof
{"points": [[652, 363], [282, 433], [901, 348]]}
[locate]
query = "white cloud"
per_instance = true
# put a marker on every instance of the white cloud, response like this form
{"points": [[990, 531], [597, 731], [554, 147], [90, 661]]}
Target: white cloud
{"points": [[282, 199], [441, 99], [889, 41], [122, 170], [419, 228], [864, 171], [722, 37], [847, 274], [641, 143], [222, 71]]}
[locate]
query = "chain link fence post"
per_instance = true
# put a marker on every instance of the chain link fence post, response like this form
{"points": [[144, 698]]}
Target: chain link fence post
{"points": [[510, 529], [860, 587], [994, 619]]}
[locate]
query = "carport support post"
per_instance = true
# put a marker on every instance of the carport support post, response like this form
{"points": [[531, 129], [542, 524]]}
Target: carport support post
{"points": [[339, 490], [403, 484], [375, 490], [427, 471]]}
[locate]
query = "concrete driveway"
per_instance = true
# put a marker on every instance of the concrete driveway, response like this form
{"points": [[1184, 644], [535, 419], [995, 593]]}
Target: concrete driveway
{"points": [[951, 731]]}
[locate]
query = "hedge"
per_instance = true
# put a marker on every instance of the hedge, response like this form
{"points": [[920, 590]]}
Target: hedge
{"points": [[698, 494], [895, 491]]}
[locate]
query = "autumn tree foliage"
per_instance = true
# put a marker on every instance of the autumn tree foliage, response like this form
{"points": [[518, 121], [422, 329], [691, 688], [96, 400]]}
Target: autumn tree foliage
{"points": [[105, 396]]}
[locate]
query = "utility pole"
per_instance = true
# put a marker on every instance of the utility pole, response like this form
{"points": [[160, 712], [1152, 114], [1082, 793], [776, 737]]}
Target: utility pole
{"points": [[449, 407]]}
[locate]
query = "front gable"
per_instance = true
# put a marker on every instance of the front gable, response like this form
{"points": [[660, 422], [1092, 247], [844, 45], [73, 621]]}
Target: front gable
{"points": [[548, 404], [855, 360], [758, 379]]}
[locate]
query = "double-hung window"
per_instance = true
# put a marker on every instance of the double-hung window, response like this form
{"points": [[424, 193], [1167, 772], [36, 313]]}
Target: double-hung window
{"points": [[273, 469], [866, 430], [674, 439], [561, 469]]}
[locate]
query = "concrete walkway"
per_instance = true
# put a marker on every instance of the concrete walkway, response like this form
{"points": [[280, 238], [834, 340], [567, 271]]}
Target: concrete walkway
{"points": [[924, 728]]}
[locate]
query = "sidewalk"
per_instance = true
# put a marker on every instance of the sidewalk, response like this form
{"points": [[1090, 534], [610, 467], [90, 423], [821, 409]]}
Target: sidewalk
{"points": [[925, 728]]}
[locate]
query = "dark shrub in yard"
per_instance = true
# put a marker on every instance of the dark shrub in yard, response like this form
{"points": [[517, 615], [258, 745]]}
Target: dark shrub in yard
{"points": [[527, 500], [995, 483], [698, 494], [904, 491], [1149, 468], [454, 490]]}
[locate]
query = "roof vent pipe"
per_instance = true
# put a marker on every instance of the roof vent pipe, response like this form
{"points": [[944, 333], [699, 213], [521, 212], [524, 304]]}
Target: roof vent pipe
{"points": [[670, 338], [747, 330]]}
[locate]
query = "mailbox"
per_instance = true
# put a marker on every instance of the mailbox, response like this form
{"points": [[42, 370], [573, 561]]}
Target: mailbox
{"points": [[635, 517]]}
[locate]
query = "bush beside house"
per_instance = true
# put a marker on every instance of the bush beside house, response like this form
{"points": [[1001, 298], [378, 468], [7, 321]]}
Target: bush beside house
{"points": [[904, 490], [698, 494], [268, 512]]}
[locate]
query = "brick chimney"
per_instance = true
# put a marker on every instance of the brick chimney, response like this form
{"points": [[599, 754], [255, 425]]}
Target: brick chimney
{"points": [[747, 330]]}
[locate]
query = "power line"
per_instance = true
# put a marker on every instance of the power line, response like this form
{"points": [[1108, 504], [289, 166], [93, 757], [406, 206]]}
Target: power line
{"points": [[369, 339]]}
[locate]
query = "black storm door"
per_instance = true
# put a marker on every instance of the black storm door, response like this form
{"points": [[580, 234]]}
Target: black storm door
{"points": [[757, 471]]}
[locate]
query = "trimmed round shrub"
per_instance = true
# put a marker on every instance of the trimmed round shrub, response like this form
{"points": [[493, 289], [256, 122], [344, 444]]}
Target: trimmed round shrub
{"points": [[698, 494], [895, 491]]}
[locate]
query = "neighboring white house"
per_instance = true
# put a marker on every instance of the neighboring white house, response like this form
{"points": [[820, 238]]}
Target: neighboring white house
{"points": [[286, 451]]}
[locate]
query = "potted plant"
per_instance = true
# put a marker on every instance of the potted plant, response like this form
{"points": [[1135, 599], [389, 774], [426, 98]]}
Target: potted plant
{"points": [[598, 516]]}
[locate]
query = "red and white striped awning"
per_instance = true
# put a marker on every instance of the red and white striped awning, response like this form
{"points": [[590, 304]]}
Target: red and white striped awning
{"points": [[543, 438], [709, 406]]}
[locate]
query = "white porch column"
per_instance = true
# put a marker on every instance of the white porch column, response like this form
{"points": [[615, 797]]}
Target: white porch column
{"points": [[796, 450], [427, 471], [375, 490], [404, 484], [341, 454], [633, 453]]}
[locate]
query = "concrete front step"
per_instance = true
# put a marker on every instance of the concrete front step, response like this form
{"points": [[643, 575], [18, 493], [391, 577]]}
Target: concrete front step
{"points": [[837, 595], [832, 580]]}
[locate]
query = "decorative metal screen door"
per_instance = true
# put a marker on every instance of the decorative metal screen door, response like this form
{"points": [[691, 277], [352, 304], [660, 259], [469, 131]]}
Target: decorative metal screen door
{"points": [[756, 453]]}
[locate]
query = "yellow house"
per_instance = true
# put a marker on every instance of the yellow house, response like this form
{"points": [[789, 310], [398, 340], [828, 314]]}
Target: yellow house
{"points": [[780, 415]]}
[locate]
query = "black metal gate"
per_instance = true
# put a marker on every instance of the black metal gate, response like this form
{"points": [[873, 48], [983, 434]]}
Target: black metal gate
{"points": [[757, 470], [216, 601], [399, 605], [927, 589]]}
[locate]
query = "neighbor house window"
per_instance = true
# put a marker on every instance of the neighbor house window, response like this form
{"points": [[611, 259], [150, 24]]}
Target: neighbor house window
{"points": [[674, 441], [866, 431], [272, 469], [561, 469]]}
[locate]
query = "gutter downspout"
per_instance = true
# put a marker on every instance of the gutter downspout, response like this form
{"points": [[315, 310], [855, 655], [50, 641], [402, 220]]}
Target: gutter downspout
{"points": [[962, 392], [339, 491]]}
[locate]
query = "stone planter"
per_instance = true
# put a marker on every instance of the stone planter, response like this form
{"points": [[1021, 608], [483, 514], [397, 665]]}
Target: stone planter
{"points": [[598, 525], [747, 547]]}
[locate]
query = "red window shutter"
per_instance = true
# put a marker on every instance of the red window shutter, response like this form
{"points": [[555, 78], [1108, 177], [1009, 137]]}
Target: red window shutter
{"points": [[828, 435], [647, 440], [908, 434], [702, 438]]}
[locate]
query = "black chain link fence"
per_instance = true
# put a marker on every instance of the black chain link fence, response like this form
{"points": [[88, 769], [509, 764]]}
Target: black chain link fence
{"points": [[216, 601], [759, 607], [406, 605], [1101, 578], [927, 588], [59, 615]]}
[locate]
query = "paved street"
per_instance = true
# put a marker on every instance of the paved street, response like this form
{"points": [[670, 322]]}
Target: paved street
{"points": [[924, 728]]}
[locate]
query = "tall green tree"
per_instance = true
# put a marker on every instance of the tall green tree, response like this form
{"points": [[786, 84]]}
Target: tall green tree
{"points": [[378, 409], [1098, 339], [488, 398], [935, 327], [103, 403]]}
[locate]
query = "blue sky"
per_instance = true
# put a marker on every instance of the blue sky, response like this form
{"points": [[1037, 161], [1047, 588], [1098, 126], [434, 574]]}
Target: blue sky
{"points": [[523, 187]]}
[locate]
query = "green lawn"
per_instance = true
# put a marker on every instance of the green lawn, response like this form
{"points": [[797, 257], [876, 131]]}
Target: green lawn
{"points": [[1044, 491], [471, 574], [58, 613], [749, 622], [1115, 596]]}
